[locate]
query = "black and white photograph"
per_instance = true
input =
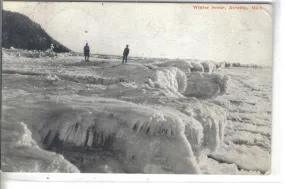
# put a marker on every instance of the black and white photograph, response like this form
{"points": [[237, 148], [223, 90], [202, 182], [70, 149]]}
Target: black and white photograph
{"points": [[136, 88]]}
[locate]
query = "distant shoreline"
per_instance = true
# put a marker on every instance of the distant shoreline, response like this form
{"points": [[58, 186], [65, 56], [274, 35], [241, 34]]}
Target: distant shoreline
{"points": [[108, 56]]}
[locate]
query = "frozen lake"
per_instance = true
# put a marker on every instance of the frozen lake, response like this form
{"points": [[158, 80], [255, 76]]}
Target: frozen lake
{"points": [[64, 115]]}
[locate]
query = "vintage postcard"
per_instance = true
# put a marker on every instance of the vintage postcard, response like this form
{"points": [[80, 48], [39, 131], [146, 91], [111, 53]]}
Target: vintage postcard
{"points": [[149, 88]]}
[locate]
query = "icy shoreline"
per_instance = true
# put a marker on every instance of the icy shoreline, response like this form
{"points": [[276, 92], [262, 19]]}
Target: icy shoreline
{"points": [[146, 105]]}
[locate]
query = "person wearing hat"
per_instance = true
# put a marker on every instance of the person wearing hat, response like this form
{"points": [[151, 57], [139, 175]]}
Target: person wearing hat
{"points": [[125, 54]]}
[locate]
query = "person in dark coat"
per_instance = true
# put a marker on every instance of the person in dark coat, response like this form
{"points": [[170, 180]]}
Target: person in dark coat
{"points": [[125, 54], [86, 52]]}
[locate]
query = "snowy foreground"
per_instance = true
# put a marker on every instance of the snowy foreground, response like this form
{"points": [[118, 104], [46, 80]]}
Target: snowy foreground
{"points": [[147, 116]]}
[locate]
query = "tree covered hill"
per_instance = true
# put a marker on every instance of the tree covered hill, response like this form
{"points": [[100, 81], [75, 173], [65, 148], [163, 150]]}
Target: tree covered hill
{"points": [[21, 32]]}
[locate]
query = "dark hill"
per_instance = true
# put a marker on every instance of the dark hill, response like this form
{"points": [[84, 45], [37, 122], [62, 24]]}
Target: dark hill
{"points": [[21, 32]]}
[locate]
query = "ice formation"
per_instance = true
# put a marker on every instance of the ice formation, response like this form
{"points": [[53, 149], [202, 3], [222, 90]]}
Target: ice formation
{"points": [[247, 138], [191, 65], [141, 117], [203, 85], [209, 66], [170, 77], [181, 64], [220, 65], [210, 166], [246, 158], [213, 120], [20, 153], [27, 53], [212, 117], [13, 52], [140, 133], [89, 79], [196, 66]]}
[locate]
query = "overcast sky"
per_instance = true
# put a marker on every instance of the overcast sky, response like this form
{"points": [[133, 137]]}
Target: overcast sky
{"points": [[157, 30]]}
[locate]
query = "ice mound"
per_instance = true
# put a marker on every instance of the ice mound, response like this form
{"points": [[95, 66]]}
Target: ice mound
{"points": [[209, 66], [202, 85], [211, 116], [189, 65], [143, 135], [220, 65], [20, 153], [172, 78], [181, 64], [138, 93], [169, 77], [194, 131], [213, 119], [196, 66]]}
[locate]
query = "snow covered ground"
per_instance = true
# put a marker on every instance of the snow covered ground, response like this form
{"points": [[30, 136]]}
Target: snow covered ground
{"points": [[147, 116]]}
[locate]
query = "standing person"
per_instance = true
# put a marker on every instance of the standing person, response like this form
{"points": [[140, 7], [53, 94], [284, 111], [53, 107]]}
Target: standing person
{"points": [[86, 52], [125, 54]]}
